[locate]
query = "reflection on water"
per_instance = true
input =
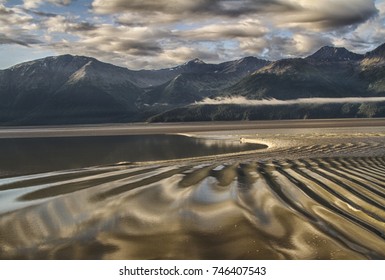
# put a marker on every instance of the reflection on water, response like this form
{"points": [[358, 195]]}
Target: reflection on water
{"points": [[31, 155], [319, 200]]}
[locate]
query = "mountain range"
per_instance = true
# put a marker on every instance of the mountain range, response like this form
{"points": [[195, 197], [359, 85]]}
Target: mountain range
{"points": [[76, 89]]}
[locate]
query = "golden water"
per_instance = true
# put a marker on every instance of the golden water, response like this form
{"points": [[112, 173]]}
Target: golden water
{"points": [[313, 196]]}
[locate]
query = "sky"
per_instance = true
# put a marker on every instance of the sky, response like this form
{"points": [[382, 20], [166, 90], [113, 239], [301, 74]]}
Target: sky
{"points": [[154, 34]]}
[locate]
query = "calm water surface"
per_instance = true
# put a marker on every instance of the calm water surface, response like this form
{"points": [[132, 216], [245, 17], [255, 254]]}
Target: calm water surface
{"points": [[31, 155]]}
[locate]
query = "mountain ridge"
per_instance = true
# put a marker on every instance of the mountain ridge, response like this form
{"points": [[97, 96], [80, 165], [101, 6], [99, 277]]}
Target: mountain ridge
{"points": [[80, 89], [328, 53]]}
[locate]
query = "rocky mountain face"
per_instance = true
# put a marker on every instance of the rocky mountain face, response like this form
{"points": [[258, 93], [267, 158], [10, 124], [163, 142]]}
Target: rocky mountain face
{"points": [[330, 72], [373, 69], [66, 89], [333, 54], [200, 80], [238, 68], [77, 89]]}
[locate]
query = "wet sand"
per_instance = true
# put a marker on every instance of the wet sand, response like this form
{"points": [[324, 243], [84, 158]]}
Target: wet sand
{"points": [[315, 193], [162, 128]]}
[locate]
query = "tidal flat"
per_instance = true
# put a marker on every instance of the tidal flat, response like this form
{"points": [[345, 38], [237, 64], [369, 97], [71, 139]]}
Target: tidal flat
{"points": [[309, 189]]}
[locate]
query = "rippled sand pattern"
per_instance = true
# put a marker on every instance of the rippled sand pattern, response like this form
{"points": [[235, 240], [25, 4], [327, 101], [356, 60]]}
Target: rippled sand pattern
{"points": [[299, 200]]}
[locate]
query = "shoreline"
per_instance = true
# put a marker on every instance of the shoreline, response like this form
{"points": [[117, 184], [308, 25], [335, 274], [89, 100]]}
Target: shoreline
{"points": [[179, 128]]}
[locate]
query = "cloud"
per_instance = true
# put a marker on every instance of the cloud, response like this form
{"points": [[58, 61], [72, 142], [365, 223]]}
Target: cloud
{"points": [[16, 27], [271, 29], [324, 14], [157, 34], [230, 8], [329, 14], [139, 41], [62, 24], [5, 11], [275, 47], [227, 29], [134, 47], [31, 4], [365, 36], [240, 100], [121, 45], [182, 54], [24, 41], [39, 13], [13, 18]]}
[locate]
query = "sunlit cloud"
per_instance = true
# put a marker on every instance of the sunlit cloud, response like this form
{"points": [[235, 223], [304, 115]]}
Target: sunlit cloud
{"points": [[157, 34]]}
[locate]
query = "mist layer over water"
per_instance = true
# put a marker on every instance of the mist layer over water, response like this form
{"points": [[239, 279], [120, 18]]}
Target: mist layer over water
{"points": [[310, 196], [241, 100]]}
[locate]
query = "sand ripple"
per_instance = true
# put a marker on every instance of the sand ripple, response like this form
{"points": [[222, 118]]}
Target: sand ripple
{"points": [[263, 206]]}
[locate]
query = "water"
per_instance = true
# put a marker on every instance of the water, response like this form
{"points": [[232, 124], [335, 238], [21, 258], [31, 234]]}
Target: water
{"points": [[31, 155], [314, 194]]}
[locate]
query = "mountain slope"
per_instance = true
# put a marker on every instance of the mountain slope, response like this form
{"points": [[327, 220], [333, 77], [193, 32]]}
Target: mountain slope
{"points": [[333, 54], [330, 72], [69, 88], [373, 70], [77, 89], [201, 80], [184, 89], [295, 78], [238, 68]]}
